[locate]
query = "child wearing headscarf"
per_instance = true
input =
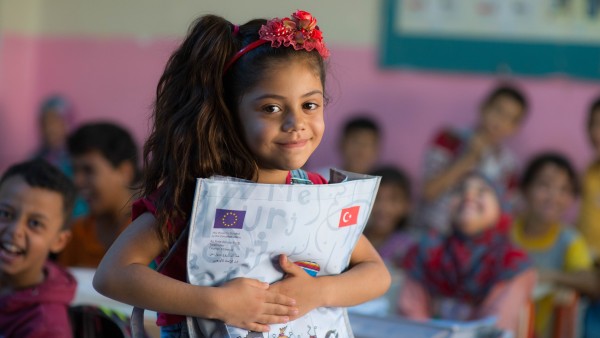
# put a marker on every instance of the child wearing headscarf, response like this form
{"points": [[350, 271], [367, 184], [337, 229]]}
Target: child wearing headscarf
{"points": [[473, 272]]}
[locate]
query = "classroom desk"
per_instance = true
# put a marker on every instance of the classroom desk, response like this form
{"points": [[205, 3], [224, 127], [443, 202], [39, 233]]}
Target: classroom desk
{"points": [[397, 327]]}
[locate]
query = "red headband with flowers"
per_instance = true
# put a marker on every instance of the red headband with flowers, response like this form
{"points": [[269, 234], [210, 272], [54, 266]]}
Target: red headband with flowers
{"points": [[300, 32]]}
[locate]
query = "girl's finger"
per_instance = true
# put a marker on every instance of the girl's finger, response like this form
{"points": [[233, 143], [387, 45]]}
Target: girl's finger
{"points": [[289, 267], [273, 319], [277, 298], [279, 310], [257, 327]]}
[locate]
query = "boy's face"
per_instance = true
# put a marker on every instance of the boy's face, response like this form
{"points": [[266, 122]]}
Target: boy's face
{"points": [[360, 150], [31, 226], [390, 207], [99, 183], [501, 118], [550, 194], [476, 206]]}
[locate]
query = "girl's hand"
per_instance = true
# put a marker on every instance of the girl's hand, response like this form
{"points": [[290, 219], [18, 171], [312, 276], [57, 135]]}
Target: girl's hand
{"points": [[250, 304], [299, 285]]}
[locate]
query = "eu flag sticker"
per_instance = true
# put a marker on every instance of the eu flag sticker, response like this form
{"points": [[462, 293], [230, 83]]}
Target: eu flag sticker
{"points": [[229, 219]]}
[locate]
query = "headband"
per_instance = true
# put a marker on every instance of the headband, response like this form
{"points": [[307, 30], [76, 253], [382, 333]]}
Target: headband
{"points": [[300, 32]]}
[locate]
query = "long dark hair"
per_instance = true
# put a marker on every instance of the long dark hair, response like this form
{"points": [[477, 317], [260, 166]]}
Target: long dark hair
{"points": [[196, 130]]}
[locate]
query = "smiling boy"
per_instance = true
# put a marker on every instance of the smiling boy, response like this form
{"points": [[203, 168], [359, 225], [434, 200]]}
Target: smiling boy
{"points": [[35, 203], [105, 169]]}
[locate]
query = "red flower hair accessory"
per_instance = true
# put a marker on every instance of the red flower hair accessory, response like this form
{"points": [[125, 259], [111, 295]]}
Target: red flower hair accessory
{"points": [[300, 32]]}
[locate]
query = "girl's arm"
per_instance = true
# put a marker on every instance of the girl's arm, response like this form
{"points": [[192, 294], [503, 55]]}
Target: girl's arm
{"points": [[124, 275], [366, 278]]}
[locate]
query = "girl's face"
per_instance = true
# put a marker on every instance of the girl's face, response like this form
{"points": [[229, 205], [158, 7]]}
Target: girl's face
{"points": [[390, 207], [594, 130], [476, 206], [550, 194], [282, 119]]}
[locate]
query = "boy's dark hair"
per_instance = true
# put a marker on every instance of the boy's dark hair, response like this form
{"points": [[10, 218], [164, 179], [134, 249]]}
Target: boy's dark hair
{"points": [[541, 160], [40, 174], [393, 175], [509, 91], [113, 142], [196, 128], [594, 110], [361, 123]]}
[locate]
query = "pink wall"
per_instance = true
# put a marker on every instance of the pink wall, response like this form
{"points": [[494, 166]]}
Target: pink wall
{"points": [[116, 79]]}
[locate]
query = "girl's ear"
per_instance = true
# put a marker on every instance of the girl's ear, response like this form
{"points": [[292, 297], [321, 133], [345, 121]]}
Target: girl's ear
{"points": [[61, 240]]}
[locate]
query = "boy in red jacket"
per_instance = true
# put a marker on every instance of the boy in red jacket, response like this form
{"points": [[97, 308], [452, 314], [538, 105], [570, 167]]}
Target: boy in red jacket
{"points": [[35, 203]]}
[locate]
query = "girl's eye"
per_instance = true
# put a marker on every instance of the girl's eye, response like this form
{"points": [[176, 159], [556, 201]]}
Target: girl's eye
{"points": [[272, 109], [310, 106], [35, 224]]}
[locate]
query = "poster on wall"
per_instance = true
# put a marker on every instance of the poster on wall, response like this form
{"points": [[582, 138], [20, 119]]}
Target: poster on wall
{"points": [[529, 37]]}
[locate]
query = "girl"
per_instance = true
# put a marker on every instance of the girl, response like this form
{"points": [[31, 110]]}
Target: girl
{"points": [[549, 187], [245, 102], [589, 214], [473, 272], [589, 217]]}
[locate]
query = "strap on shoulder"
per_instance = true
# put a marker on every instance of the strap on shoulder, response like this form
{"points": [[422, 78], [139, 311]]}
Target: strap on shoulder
{"points": [[300, 176]]}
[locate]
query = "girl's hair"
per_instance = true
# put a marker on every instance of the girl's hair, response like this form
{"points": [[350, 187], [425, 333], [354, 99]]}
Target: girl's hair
{"points": [[592, 112], [196, 129], [536, 165]]}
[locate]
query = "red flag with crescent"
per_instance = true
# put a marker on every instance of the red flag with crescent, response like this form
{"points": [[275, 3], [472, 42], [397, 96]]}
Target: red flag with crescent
{"points": [[349, 216]]}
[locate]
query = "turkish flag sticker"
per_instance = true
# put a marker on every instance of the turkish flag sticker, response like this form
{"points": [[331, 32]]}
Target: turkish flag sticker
{"points": [[349, 216]]}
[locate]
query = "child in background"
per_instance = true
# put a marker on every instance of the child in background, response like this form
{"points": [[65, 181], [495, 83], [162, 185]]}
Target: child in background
{"points": [[359, 146], [549, 186], [36, 202], [105, 166], [56, 116], [473, 272], [453, 153], [589, 216], [244, 101], [387, 228], [388, 231]]}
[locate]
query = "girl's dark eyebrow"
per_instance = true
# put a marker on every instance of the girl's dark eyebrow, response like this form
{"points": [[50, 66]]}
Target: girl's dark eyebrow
{"points": [[316, 91], [280, 97], [40, 216]]}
